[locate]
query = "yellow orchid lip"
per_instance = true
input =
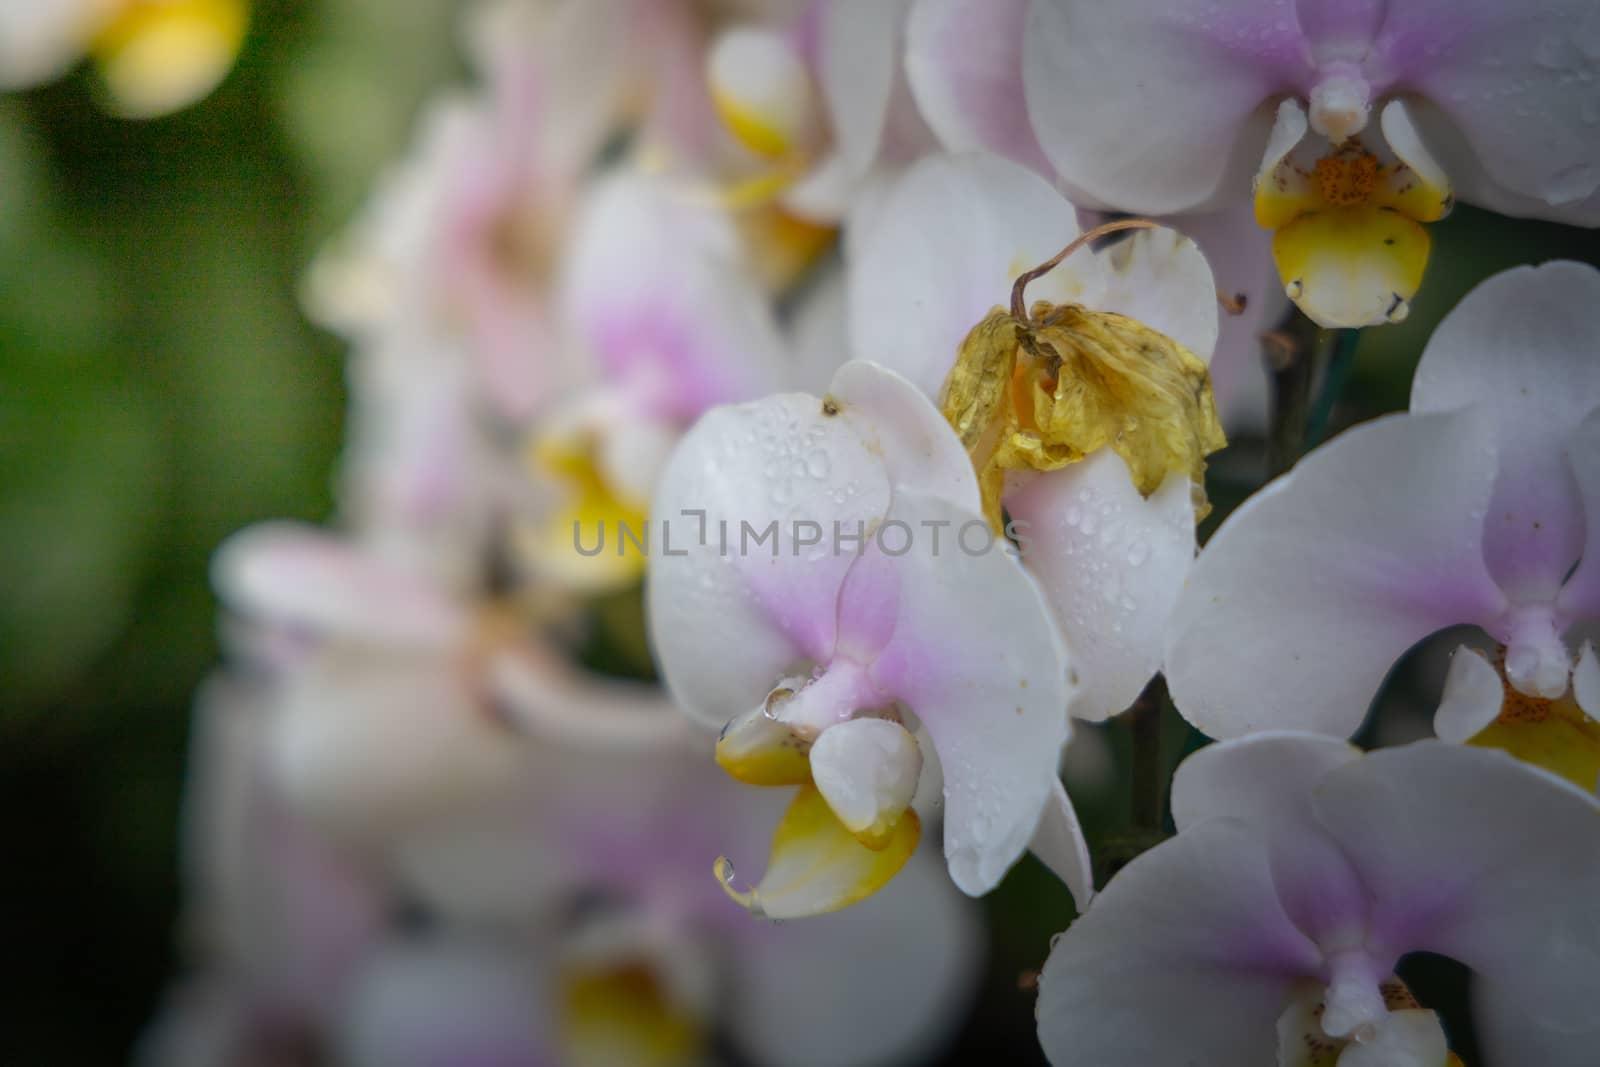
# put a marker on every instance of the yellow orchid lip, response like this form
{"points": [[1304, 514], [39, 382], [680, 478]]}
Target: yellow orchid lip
{"points": [[1348, 238], [817, 865], [597, 541], [622, 1014], [757, 749], [158, 56], [1554, 734]]}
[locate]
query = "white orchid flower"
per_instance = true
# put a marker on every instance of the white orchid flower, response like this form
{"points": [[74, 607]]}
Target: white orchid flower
{"points": [[1481, 506], [406, 701], [626, 951], [948, 242], [1268, 931], [824, 99], [821, 618], [658, 299], [278, 919], [1360, 121]]}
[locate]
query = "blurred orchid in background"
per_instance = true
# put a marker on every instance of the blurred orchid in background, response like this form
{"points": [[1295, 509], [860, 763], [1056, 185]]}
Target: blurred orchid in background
{"points": [[153, 57], [784, 436]]}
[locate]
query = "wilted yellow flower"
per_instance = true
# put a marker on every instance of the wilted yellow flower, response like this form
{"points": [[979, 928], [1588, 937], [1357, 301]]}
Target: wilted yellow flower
{"points": [[1041, 390]]}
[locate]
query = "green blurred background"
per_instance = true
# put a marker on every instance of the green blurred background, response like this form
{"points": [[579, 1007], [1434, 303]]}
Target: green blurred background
{"points": [[159, 388]]}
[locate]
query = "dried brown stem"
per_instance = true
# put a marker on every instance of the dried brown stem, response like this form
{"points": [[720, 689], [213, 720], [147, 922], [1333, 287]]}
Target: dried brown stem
{"points": [[1019, 307]]}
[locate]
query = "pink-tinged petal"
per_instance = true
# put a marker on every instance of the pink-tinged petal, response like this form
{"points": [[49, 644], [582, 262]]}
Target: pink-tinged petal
{"points": [[1059, 843], [443, 1001], [1111, 564], [1472, 854], [658, 293], [1191, 933], [291, 575], [274, 905], [943, 249], [964, 64], [1521, 84], [1474, 186], [915, 955], [1472, 698], [1190, 86], [730, 622], [1522, 347], [956, 630], [902, 426], [1580, 597], [1309, 593], [1260, 779], [1265, 780]]}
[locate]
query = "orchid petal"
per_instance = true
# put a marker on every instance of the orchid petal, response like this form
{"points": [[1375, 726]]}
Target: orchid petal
{"points": [[1474, 185], [959, 633], [436, 1001], [817, 865], [914, 949], [1580, 596], [158, 58], [1473, 695], [1263, 780], [743, 467], [1059, 843], [1111, 564], [1239, 253], [867, 769], [657, 291], [40, 42], [369, 744], [1406, 1038], [1586, 682], [292, 575], [943, 250], [1389, 513], [964, 64], [1470, 853], [1196, 84], [762, 91], [902, 426], [1515, 83], [1160, 278], [1190, 933], [1521, 346], [1260, 779]]}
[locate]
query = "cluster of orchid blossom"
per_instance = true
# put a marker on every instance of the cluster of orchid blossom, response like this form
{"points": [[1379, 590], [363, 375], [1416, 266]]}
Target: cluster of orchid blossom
{"points": [[841, 333]]}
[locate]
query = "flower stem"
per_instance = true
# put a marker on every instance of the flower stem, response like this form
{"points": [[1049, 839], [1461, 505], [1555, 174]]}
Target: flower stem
{"points": [[1292, 355], [1147, 780], [1333, 379], [1148, 798]]}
